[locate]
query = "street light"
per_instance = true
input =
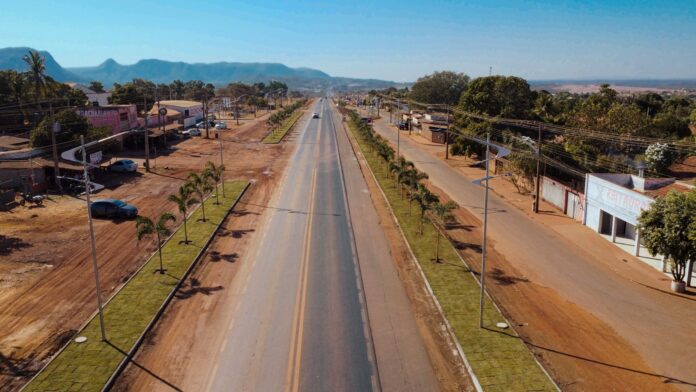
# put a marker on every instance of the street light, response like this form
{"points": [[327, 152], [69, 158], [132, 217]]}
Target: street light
{"points": [[236, 107]]}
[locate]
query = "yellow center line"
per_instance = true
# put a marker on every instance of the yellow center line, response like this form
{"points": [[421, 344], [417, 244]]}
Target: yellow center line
{"points": [[295, 356]]}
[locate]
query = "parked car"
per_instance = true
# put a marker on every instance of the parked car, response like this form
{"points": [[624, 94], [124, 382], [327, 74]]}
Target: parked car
{"points": [[403, 125], [112, 208], [221, 125], [123, 166], [192, 132]]}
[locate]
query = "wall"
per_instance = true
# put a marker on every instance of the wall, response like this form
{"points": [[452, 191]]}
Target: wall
{"points": [[621, 202], [557, 194]]}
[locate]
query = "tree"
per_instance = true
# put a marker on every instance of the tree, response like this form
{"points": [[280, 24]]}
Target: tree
{"points": [[425, 200], [146, 227], [667, 228], [692, 117], [498, 96], [96, 86], [658, 157], [37, 73], [177, 88], [443, 212], [443, 87], [183, 200], [72, 127], [214, 173], [200, 185]]}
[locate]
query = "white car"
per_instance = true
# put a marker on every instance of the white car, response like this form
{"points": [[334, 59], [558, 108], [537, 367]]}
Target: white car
{"points": [[221, 125], [123, 166], [192, 132]]}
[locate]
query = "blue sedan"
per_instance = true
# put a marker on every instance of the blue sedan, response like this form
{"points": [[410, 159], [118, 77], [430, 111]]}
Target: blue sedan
{"points": [[112, 208]]}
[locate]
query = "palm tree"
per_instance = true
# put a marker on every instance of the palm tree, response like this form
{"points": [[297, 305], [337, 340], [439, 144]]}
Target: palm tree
{"points": [[37, 72], [183, 200], [443, 211], [215, 173], [425, 200], [178, 88], [200, 185], [146, 227]]}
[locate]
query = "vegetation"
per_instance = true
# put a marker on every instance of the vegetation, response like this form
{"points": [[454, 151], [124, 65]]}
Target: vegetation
{"points": [[87, 366], [145, 227], [183, 200], [282, 121], [200, 185], [72, 126], [500, 361], [214, 173], [444, 87], [139, 90], [668, 228]]}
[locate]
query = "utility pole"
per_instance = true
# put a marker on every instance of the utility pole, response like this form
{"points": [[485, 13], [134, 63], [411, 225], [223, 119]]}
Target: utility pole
{"points": [[537, 196], [236, 110], [205, 114], [222, 163], [378, 107], [95, 266], [56, 170], [398, 132], [147, 135], [485, 228], [447, 135]]}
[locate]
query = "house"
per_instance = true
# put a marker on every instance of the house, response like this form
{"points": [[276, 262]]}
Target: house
{"points": [[613, 203], [118, 118], [93, 98], [11, 143], [191, 111]]}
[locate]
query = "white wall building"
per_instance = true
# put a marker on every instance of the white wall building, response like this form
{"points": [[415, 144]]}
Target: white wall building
{"points": [[93, 98], [613, 203]]}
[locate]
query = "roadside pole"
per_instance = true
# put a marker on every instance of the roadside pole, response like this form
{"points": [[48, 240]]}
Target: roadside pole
{"points": [[538, 171], [147, 136], [485, 227], [398, 132], [447, 135], [222, 163], [56, 170], [91, 235]]}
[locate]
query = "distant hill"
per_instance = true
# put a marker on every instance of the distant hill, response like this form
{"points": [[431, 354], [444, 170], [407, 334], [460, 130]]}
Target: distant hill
{"points": [[221, 73]]}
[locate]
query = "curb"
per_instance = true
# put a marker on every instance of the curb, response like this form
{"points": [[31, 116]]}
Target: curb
{"points": [[121, 366], [428, 288]]}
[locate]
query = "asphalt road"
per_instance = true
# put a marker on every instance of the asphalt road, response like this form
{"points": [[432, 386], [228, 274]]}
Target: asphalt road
{"points": [[658, 325], [301, 320]]}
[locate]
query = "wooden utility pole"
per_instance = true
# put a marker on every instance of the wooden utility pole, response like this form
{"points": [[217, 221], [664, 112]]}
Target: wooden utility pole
{"points": [[147, 135], [447, 134], [205, 114], [537, 196], [55, 128]]}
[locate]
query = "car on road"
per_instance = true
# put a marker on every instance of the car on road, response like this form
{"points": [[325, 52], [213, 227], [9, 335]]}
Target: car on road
{"points": [[315, 115], [201, 124], [403, 125], [192, 132], [367, 120], [123, 166], [221, 125], [112, 208]]}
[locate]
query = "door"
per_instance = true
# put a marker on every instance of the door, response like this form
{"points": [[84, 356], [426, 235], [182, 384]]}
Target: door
{"points": [[572, 204]]}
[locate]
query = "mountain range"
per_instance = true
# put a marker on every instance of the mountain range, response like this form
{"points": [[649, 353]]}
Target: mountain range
{"points": [[220, 73]]}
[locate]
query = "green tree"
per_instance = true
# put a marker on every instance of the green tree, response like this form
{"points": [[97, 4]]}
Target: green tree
{"points": [[667, 228], [498, 96], [145, 227], [214, 173], [443, 214], [72, 125], [425, 200], [658, 157], [96, 86], [692, 117], [37, 73], [443, 87], [200, 185], [183, 200]]}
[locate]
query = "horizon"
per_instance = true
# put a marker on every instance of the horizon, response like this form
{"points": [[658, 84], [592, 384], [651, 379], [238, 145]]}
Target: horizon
{"points": [[577, 41]]}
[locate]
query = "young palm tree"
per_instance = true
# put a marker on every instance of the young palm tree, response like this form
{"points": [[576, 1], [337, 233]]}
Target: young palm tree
{"points": [[183, 199], [146, 227], [443, 211], [214, 173], [200, 185], [425, 200]]}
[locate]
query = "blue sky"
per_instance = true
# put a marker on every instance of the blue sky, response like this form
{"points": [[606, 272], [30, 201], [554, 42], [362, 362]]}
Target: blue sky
{"points": [[550, 39]]}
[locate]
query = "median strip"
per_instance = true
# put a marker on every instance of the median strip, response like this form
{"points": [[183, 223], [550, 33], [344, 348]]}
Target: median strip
{"points": [[499, 360], [278, 133], [90, 365]]}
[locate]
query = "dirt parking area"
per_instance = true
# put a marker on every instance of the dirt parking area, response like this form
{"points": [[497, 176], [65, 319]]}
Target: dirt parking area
{"points": [[46, 280]]}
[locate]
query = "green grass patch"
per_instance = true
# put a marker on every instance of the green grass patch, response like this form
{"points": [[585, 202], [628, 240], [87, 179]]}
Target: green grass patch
{"points": [[87, 366], [500, 362], [279, 133]]}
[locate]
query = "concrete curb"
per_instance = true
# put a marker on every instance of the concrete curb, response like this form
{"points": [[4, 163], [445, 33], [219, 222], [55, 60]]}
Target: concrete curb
{"points": [[428, 288], [122, 365]]}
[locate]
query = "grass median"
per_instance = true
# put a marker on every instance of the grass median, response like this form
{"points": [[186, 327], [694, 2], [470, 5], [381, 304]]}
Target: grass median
{"points": [[87, 366], [279, 133], [499, 359]]}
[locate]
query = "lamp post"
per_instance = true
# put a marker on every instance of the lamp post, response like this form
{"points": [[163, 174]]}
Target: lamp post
{"points": [[95, 266]]}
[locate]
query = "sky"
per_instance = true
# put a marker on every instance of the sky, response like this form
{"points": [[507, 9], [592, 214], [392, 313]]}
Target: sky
{"points": [[391, 40]]}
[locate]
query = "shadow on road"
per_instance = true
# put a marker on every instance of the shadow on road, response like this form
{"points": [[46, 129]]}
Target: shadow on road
{"points": [[143, 368]]}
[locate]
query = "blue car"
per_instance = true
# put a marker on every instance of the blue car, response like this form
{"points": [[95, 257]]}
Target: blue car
{"points": [[112, 208]]}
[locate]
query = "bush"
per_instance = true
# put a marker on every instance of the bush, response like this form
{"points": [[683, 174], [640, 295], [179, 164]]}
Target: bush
{"points": [[658, 157]]}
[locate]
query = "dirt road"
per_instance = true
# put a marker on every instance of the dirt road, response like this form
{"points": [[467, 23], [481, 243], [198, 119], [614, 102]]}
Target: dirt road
{"points": [[46, 275]]}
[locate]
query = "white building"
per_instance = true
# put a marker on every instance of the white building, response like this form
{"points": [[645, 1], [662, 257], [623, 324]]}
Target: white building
{"points": [[93, 98], [191, 111], [613, 203]]}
